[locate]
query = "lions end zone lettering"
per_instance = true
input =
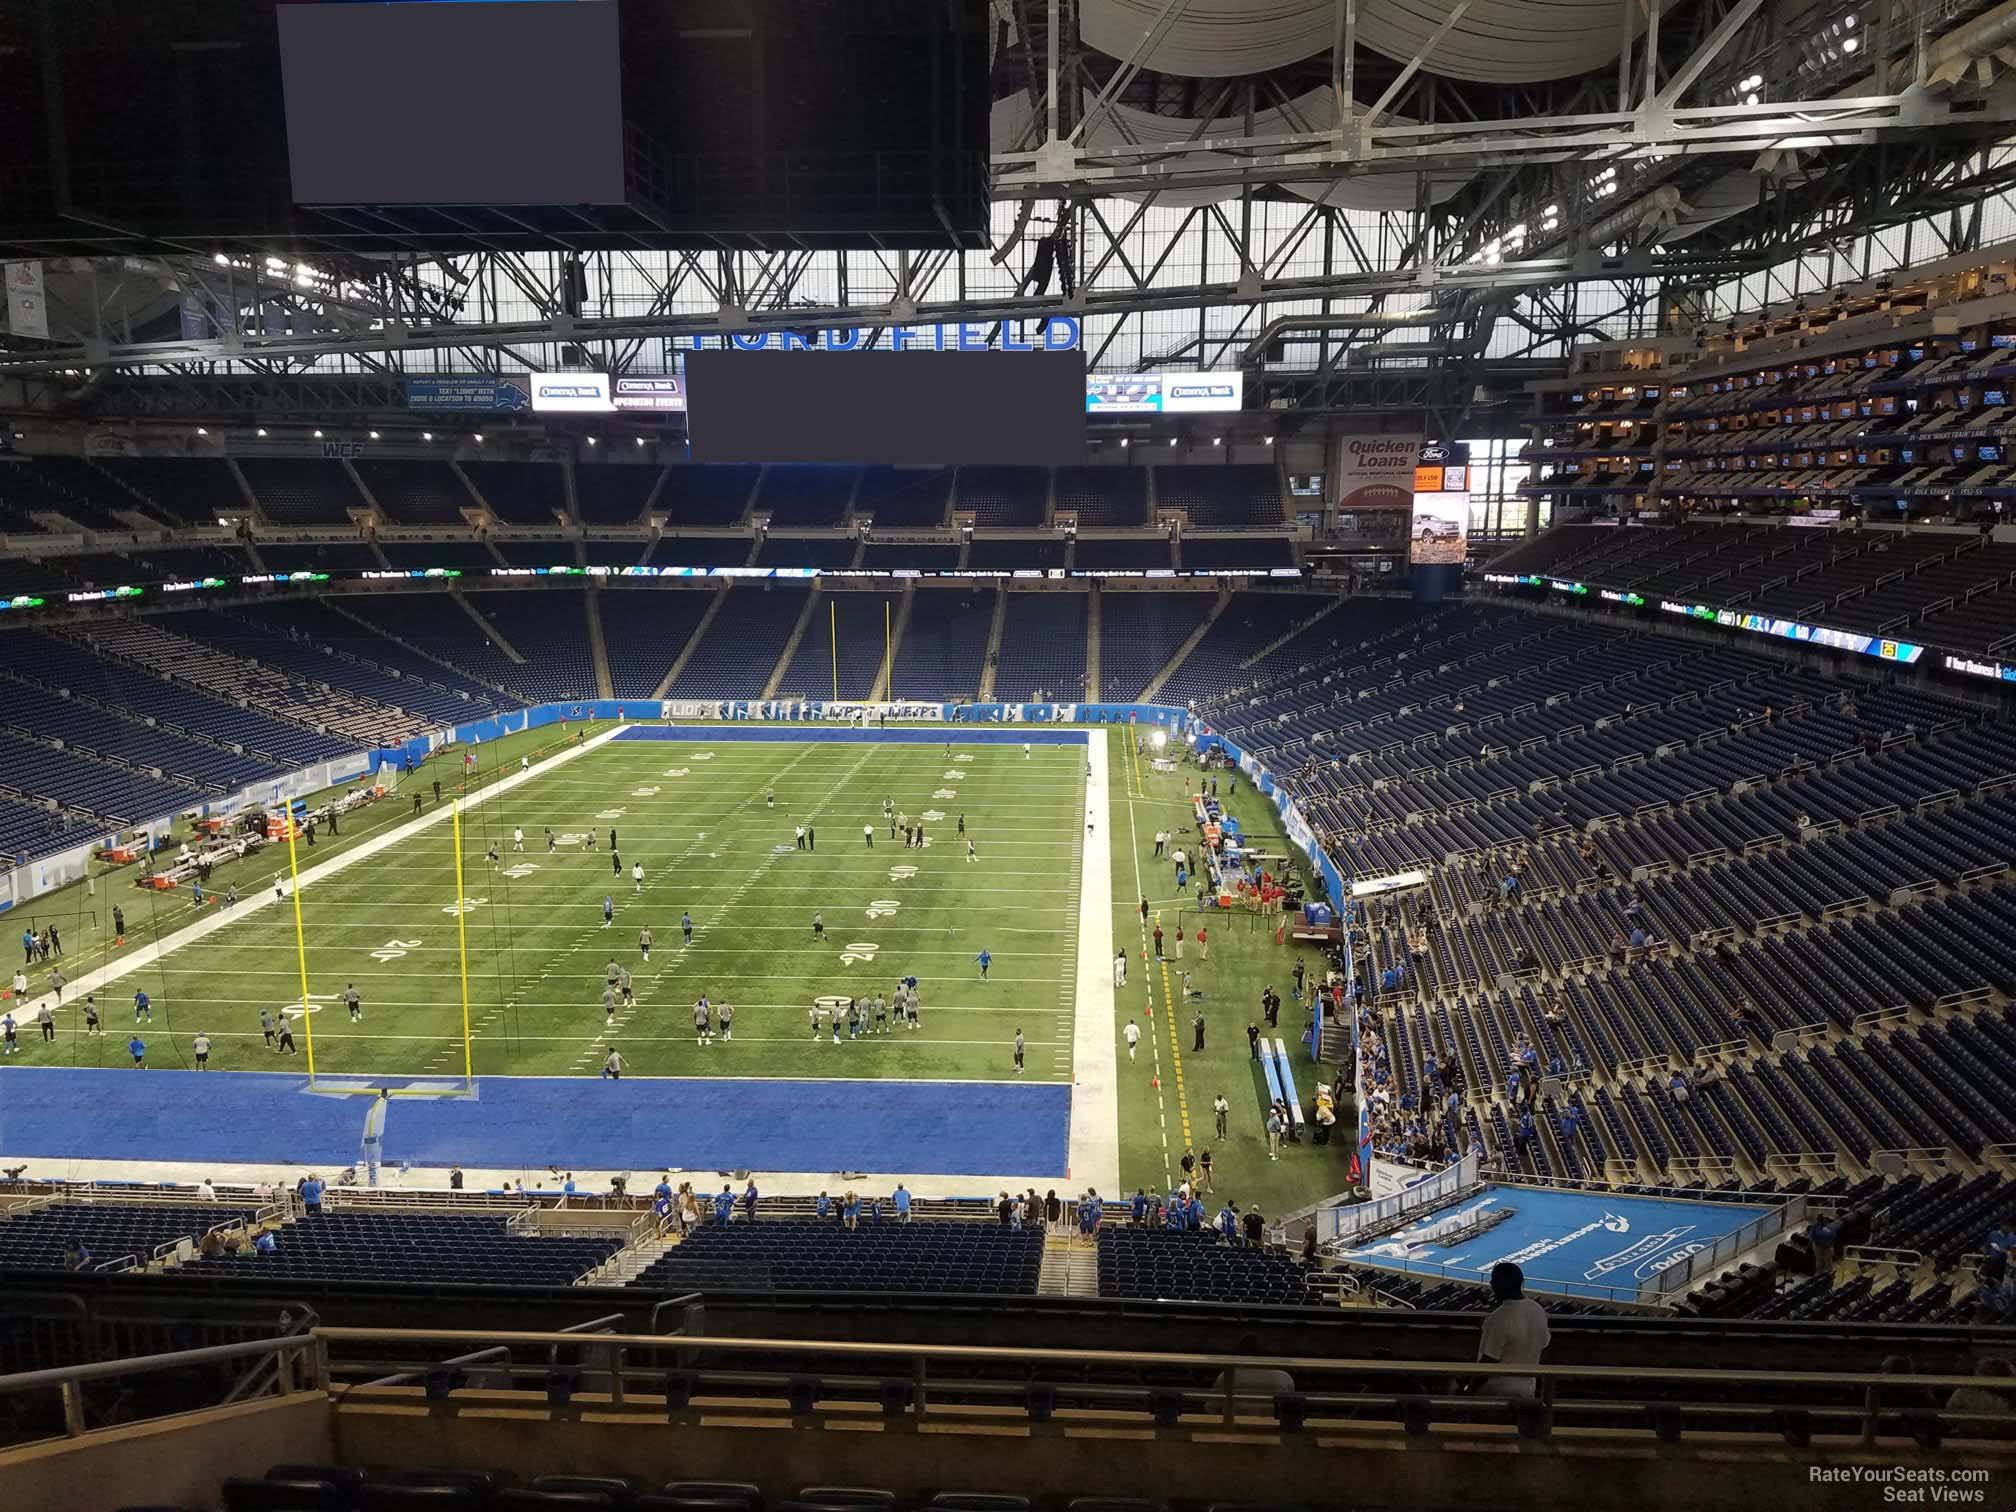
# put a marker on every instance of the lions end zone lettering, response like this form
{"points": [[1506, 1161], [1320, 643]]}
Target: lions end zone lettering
{"points": [[1057, 333]]}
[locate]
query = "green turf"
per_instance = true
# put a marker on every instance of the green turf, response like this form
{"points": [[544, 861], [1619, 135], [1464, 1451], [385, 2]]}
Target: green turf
{"points": [[1157, 1123], [537, 949], [696, 816]]}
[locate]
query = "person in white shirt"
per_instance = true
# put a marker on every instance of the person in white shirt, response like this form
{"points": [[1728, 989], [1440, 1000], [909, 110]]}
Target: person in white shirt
{"points": [[205, 1190], [1133, 1036], [1515, 1333], [637, 876], [517, 839], [1120, 968]]}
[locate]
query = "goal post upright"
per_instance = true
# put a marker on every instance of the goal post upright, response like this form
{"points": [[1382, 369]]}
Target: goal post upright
{"points": [[462, 953], [300, 943]]}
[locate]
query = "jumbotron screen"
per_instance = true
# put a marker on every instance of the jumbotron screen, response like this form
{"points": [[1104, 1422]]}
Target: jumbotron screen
{"points": [[947, 408]]}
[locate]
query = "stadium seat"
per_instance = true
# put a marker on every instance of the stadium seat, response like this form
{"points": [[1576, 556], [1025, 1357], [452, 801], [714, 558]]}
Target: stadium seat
{"points": [[242, 1495]]}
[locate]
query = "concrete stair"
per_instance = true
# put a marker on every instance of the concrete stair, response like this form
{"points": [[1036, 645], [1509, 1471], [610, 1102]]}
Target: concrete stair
{"points": [[1070, 1267]]}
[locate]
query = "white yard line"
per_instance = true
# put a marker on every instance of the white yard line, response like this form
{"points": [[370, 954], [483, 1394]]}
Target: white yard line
{"points": [[152, 953], [1094, 1158]]}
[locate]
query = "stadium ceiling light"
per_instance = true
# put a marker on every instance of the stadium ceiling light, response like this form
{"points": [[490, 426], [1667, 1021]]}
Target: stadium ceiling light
{"points": [[318, 435], [1268, 442], [1217, 440], [479, 438], [374, 435], [640, 440], [1123, 443], [426, 435], [592, 441], [1172, 440], [220, 259], [277, 264], [202, 430], [262, 430]]}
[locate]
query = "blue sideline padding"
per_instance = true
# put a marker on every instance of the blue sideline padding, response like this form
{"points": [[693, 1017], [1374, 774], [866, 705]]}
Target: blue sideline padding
{"points": [[1278, 1054]]}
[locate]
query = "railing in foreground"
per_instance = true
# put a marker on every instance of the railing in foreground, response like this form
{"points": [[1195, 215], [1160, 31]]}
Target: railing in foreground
{"points": [[295, 1361], [655, 1376], [1684, 1274]]}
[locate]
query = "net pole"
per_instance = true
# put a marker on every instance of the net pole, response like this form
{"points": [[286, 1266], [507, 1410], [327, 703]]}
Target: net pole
{"points": [[462, 955], [833, 639], [888, 657], [301, 945]]}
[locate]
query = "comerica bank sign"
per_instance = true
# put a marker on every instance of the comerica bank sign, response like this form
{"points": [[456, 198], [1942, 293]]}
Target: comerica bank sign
{"points": [[1054, 333]]}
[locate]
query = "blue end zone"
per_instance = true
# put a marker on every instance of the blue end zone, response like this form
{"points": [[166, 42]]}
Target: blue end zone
{"points": [[848, 735], [1580, 1244], [518, 1122]]}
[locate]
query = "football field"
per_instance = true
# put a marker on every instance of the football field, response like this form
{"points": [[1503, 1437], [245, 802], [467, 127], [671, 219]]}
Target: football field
{"points": [[713, 822]]}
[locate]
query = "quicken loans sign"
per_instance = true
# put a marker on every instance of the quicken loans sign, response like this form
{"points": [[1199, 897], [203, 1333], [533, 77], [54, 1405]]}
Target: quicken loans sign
{"points": [[1056, 333]]}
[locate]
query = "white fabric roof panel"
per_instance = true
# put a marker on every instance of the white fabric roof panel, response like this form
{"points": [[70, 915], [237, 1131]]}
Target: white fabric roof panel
{"points": [[1315, 111], [1496, 42]]}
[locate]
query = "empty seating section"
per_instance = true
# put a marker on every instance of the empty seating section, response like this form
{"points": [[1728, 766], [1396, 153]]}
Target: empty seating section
{"points": [[1042, 646], [643, 631], [1122, 556], [995, 554], [29, 829], [792, 494], [1232, 497], [546, 553], [735, 657], [345, 697], [159, 678], [78, 491], [87, 729], [436, 624], [1249, 623], [409, 678], [114, 793], [949, 1257], [325, 556], [439, 1250], [806, 551], [1139, 632], [189, 491], [1236, 554], [216, 655], [1195, 1266], [943, 645], [921, 558], [700, 551], [1003, 496], [695, 494], [857, 620], [906, 498], [549, 629], [115, 1235], [1802, 856], [613, 493], [1938, 586], [299, 491], [471, 558], [417, 493], [520, 493], [1104, 497]]}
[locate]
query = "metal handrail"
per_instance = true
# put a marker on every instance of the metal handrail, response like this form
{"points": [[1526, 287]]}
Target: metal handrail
{"points": [[995, 1355], [70, 1380]]}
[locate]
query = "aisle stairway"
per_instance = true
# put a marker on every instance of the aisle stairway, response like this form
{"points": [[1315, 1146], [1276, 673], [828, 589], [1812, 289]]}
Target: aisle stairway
{"points": [[1070, 1267]]}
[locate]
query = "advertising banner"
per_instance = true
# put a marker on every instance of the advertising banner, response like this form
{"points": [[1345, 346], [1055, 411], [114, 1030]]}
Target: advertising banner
{"points": [[27, 304], [571, 394], [657, 392], [1439, 534], [1376, 472], [469, 395], [1164, 393]]}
